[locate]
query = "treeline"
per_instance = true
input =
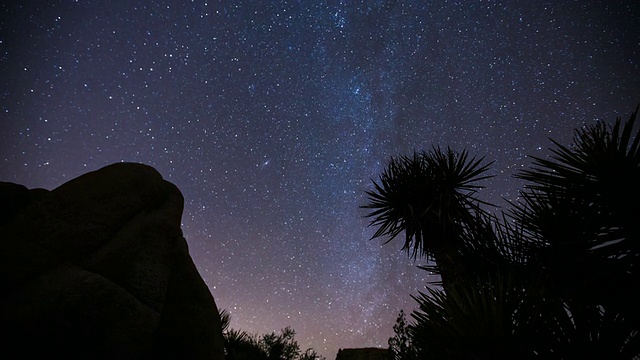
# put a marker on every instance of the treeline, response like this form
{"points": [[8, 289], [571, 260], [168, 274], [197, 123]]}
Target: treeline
{"points": [[240, 345]]}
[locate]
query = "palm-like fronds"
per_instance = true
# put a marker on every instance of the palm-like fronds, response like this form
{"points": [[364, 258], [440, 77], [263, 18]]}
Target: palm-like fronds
{"points": [[225, 319], [604, 333], [596, 182], [425, 196], [488, 246], [552, 279], [598, 156], [579, 207], [506, 318], [476, 321]]}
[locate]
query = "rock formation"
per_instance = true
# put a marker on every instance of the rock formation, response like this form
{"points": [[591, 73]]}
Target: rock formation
{"points": [[98, 269], [364, 354]]}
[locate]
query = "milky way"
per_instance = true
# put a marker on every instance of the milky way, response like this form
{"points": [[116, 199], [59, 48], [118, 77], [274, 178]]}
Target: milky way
{"points": [[272, 117]]}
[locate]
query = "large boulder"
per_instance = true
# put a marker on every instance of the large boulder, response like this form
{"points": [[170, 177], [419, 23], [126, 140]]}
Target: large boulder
{"points": [[98, 269]]}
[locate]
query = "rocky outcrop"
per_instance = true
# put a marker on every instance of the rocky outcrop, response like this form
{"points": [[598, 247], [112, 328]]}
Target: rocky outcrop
{"points": [[98, 269], [364, 354]]}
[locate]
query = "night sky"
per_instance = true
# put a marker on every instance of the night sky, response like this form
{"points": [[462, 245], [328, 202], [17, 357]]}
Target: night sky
{"points": [[272, 117]]}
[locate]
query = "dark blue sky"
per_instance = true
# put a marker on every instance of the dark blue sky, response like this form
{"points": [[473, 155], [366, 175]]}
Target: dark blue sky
{"points": [[272, 117]]}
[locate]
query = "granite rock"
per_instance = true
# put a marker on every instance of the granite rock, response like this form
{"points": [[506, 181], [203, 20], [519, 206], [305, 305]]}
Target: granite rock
{"points": [[98, 269]]}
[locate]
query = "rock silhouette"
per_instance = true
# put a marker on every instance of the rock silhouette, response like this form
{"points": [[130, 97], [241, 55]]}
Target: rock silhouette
{"points": [[98, 269]]}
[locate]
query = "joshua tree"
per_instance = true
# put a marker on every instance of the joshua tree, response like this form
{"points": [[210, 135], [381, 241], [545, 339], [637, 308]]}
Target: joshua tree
{"points": [[553, 275], [579, 208], [578, 213], [428, 196]]}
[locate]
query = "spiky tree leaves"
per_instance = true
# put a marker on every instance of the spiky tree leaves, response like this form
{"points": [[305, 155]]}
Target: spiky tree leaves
{"points": [[428, 196], [225, 319], [554, 278], [580, 207], [594, 185], [471, 322], [503, 320]]}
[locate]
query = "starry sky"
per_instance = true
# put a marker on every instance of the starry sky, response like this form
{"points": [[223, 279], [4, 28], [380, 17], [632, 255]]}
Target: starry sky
{"points": [[272, 117]]}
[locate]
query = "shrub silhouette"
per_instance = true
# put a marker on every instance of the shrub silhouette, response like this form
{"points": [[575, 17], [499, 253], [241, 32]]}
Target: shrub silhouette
{"points": [[240, 345]]}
